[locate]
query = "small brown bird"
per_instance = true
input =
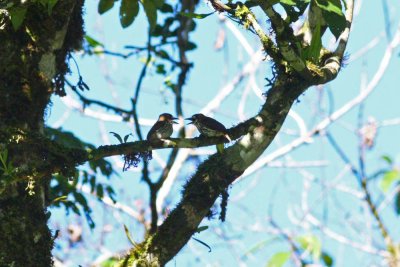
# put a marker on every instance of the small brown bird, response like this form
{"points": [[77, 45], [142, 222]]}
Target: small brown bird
{"points": [[162, 128], [208, 126]]}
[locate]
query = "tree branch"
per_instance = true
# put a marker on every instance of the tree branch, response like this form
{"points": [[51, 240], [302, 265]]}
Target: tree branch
{"points": [[390, 245], [333, 64], [218, 172], [248, 18], [285, 39], [183, 31]]}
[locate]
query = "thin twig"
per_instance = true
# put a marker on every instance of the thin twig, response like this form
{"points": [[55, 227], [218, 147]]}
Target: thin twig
{"points": [[137, 91], [335, 115], [86, 102], [368, 198]]}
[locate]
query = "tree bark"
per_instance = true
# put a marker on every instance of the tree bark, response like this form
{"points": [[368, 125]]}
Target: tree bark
{"points": [[215, 175], [33, 64]]}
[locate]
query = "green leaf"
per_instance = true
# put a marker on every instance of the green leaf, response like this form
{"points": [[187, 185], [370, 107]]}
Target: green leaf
{"points": [[117, 136], [292, 13], [126, 137], [333, 15], [299, 4], [194, 15], [81, 200], [151, 12], [288, 2], [75, 209], [3, 158], [92, 182], [311, 243], [388, 159], [59, 199], [163, 54], [93, 42], [158, 3], [160, 69], [67, 139], [50, 5], [89, 218], [331, 6], [278, 259], [190, 46], [327, 259], [42, 2], [166, 8], [111, 193], [100, 191], [271, 2], [397, 204], [112, 262], [294, 9], [128, 235], [105, 167], [105, 5], [201, 228], [128, 11], [388, 179], [313, 51], [259, 246], [17, 16], [344, 4], [85, 178]]}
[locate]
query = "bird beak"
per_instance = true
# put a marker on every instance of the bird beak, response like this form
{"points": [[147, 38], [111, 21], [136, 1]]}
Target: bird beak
{"points": [[189, 119], [173, 121]]}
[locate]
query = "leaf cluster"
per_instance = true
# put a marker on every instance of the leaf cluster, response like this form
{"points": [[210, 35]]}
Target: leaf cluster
{"points": [[17, 11], [309, 246], [129, 10], [66, 191], [391, 178]]}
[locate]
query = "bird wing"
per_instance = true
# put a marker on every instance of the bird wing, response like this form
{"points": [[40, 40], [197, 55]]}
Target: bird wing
{"points": [[151, 134], [214, 124]]}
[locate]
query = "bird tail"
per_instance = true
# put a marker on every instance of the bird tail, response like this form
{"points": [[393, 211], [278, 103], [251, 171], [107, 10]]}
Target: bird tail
{"points": [[228, 137], [220, 148]]}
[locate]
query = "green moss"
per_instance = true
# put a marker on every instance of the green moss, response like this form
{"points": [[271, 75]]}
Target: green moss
{"points": [[315, 70], [25, 237], [23, 231], [138, 256]]}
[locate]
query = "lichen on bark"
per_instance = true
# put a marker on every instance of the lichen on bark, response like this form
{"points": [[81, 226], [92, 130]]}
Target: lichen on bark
{"points": [[32, 56]]}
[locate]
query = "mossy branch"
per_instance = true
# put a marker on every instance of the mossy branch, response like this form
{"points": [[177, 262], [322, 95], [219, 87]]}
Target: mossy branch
{"points": [[214, 175], [244, 14], [143, 146], [285, 40]]}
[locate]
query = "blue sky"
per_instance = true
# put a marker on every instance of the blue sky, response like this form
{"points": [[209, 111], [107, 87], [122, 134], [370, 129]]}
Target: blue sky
{"points": [[278, 189]]}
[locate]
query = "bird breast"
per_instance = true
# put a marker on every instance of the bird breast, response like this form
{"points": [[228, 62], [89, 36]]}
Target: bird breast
{"points": [[165, 131]]}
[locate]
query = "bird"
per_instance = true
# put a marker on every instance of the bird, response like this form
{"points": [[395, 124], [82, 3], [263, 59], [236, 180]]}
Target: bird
{"points": [[162, 128], [208, 126]]}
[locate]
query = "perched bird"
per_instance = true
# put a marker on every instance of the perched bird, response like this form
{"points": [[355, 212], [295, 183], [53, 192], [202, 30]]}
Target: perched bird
{"points": [[162, 128], [208, 126]]}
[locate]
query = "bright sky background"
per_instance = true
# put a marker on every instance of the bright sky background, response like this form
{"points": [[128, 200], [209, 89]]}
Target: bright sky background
{"points": [[113, 80]]}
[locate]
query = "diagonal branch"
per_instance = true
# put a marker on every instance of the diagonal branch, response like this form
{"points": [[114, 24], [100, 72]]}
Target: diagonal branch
{"points": [[183, 38], [333, 64], [143, 146], [242, 12], [368, 198], [285, 39], [87, 101], [218, 172]]}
